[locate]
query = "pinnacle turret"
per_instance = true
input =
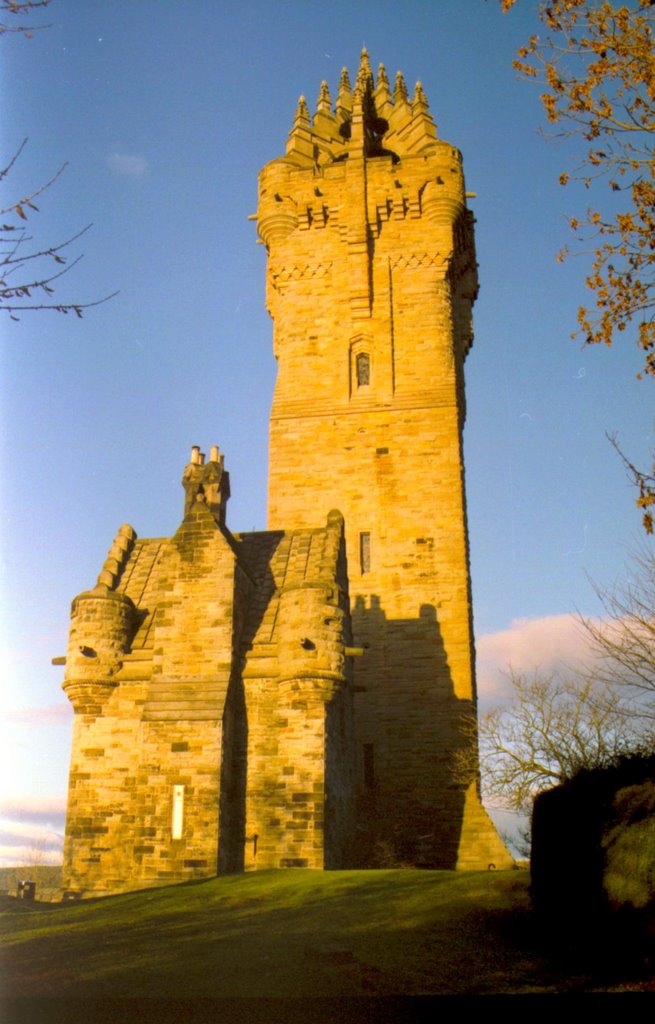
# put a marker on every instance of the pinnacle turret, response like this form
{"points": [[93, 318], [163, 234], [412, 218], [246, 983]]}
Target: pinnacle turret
{"points": [[301, 117], [344, 102], [419, 102], [400, 91], [382, 95], [324, 103], [365, 73]]}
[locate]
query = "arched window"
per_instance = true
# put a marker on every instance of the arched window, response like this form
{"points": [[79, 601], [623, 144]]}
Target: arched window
{"points": [[363, 369]]}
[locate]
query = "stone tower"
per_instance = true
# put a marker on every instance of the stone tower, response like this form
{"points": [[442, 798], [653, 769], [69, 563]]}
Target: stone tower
{"points": [[371, 278], [300, 697]]}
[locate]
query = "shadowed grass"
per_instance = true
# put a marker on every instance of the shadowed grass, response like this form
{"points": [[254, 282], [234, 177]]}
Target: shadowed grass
{"points": [[287, 933]]}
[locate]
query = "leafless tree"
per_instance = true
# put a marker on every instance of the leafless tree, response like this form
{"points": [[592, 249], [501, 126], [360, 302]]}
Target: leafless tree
{"points": [[623, 641], [553, 725], [550, 728], [28, 272]]}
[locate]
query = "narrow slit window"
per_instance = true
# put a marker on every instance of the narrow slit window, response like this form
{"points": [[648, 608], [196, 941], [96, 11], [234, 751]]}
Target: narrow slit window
{"points": [[363, 369], [365, 552]]}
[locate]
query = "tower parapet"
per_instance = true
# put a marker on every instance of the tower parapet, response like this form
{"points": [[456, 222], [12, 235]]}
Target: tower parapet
{"points": [[356, 171]]}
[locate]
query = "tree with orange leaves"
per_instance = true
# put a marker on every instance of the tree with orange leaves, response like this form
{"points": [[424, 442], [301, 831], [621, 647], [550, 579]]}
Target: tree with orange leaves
{"points": [[597, 62]]}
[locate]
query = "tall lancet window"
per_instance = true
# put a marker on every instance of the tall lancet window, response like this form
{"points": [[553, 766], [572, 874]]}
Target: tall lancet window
{"points": [[363, 369]]}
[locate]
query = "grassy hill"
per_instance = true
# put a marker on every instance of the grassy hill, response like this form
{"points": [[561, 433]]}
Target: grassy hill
{"points": [[289, 933]]}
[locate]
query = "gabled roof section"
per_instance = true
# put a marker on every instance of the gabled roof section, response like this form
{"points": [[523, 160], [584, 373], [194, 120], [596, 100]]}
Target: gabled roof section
{"points": [[280, 560], [368, 117]]}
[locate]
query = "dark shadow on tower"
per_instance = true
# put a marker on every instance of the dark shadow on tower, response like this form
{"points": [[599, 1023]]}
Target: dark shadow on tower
{"points": [[411, 732], [252, 601]]}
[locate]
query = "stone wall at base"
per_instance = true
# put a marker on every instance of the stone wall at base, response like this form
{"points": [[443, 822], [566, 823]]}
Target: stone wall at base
{"points": [[213, 697]]}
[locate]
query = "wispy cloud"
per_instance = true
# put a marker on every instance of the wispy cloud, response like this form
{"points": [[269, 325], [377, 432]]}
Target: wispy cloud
{"points": [[53, 714], [32, 827], [545, 644], [131, 165], [42, 809], [30, 853], [16, 833]]}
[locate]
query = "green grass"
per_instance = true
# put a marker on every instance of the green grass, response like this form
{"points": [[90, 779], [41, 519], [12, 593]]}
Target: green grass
{"points": [[288, 933]]}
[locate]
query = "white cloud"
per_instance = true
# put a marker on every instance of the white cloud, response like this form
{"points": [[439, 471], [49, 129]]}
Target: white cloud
{"points": [[29, 843], [545, 644], [131, 165], [32, 830]]}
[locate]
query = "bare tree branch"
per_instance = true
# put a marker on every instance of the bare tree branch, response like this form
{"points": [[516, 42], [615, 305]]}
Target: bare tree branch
{"points": [[20, 8], [554, 725], [17, 283]]}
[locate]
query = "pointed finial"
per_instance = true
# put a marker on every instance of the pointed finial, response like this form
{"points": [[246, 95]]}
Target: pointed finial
{"points": [[365, 74], [357, 133], [302, 112], [344, 102], [400, 91], [324, 103], [382, 94], [420, 101]]}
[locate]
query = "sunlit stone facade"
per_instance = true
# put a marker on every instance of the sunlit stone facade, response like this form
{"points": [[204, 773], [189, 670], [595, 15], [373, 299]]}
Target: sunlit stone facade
{"points": [[304, 696]]}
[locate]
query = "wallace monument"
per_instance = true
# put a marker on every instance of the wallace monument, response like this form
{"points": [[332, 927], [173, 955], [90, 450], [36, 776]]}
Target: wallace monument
{"points": [[300, 697]]}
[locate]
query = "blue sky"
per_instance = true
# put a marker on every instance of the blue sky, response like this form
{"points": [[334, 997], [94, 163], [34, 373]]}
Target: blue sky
{"points": [[165, 111]]}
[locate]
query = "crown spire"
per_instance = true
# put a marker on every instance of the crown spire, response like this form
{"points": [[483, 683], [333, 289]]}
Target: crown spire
{"points": [[370, 117]]}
